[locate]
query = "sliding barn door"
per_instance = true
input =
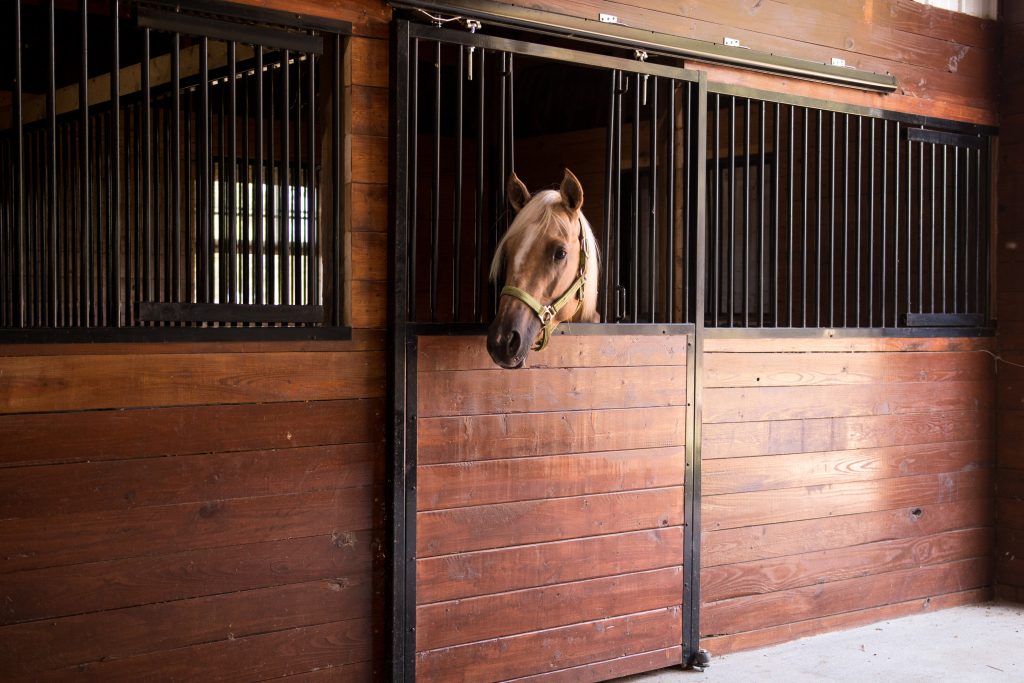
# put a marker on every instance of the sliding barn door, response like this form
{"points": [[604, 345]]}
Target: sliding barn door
{"points": [[549, 518]]}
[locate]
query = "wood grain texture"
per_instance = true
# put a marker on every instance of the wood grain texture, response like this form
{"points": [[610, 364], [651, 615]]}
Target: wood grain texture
{"points": [[487, 437], [58, 643], [569, 351], [782, 607], [610, 669], [543, 564], [828, 344], [468, 620], [502, 481], [126, 434], [774, 541], [553, 649], [66, 383], [116, 584], [461, 530]]}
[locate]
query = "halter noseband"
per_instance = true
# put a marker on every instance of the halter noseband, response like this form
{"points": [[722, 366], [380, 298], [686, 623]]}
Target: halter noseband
{"points": [[548, 312]]}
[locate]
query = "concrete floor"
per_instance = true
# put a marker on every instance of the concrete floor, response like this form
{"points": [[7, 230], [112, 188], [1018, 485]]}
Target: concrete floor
{"points": [[972, 644]]}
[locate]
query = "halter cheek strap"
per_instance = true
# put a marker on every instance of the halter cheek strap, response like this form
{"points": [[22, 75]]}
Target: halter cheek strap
{"points": [[548, 312]]}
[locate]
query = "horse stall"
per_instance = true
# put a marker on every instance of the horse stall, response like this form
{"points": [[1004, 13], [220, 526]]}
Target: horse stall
{"points": [[262, 411]]}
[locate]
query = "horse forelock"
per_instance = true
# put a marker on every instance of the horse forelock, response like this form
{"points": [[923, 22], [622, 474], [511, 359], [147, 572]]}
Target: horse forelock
{"points": [[537, 218]]}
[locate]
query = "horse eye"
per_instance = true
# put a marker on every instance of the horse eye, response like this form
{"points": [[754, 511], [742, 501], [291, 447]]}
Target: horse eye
{"points": [[560, 254]]}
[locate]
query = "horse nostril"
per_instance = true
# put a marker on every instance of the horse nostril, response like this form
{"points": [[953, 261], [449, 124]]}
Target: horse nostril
{"points": [[513, 343]]}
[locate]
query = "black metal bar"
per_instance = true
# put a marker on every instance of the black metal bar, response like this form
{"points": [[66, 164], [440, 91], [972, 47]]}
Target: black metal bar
{"points": [[312, 186], [980, 286], [831, 224], [931, 248], [895, 228], [619, 312], [920, 233], [112, 335], [337, 179], [945, 320], [246, 207], [230, 164], [414, 57], [967, 228], [249, 14], [435, 186], [776, 155], [50, 244], [652, 173], [20, 240], [510, 84], [261, 222], [761, 283], [220, 187], [716, 215], [116, 315], [746, 212], [478, 222], [163, 311], [945, 235], [296, 207], [147, 171], [612, 150], [956, 228], [731, 270], [457, 206], [188, 281], [805, 203], [884, 216], [935, 137], [174, 21], [284, 242], [176, 287], [204, 269], [846, 217], [859, 203], [670, 225], [634, 265], [910, 222], [792, 176]]}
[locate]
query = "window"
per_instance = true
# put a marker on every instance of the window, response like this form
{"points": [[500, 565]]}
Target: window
{"points": [[199, 189]]}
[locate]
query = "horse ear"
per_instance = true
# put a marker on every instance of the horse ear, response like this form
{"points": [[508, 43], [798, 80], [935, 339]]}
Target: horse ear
{"points": [[518, 195], [572, 192]]}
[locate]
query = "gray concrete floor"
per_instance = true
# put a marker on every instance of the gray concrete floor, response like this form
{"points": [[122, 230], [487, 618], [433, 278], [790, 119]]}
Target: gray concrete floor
{"points": [[973, 644]]}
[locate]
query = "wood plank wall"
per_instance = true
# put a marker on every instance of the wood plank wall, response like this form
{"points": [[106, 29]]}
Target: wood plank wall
{"points": [[844, 482], [1010, 311], [944, 61], [200, 511], [550, 509]]}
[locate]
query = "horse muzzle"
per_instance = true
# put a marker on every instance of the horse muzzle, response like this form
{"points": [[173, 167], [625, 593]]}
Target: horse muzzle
{"points": [[510, 341]]}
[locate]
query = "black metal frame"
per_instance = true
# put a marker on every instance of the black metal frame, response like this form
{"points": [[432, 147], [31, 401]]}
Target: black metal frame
{"points": [[143, 289]]}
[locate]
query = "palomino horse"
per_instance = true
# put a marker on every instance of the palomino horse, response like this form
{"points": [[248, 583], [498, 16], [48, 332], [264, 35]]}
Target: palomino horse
{"points": [[550, 260]]}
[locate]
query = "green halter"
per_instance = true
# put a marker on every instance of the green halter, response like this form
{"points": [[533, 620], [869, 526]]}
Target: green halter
{"points": [[547, 313]]}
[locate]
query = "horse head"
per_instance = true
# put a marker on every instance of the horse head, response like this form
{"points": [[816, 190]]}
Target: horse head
{"points": [[550, 262]]}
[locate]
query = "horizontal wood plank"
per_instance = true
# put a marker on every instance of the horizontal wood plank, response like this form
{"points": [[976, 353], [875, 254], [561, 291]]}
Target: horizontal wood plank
{"points": [[753, 404], [114, 584], [502, 481], [128, 484], [65, 383], [829, 500], [468, 620], [610, 668], [553, 649], [488, 437], [536, 390], [437, 353], [827, 344], [794, 571], [763, 542], [126, 434], [807, 369], [773, 609], [734, 440], [58, 643], [762, 473], [467, 574], [257, 657], [35, 543], [443, 532]]}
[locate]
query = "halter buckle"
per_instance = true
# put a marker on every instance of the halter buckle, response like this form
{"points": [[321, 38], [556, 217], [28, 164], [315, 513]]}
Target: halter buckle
{"points": [[546, 314]]}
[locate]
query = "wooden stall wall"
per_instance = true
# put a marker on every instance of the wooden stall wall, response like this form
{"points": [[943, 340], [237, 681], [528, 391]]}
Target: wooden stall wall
{"points": [[207, 509], [549, 533], [1010, 311], [844, 482]]}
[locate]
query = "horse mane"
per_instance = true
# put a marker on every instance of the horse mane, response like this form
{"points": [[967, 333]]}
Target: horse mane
{"points": [[539, 214]]}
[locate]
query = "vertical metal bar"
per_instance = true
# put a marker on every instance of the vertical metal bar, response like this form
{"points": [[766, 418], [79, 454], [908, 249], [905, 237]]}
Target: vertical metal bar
{"points": [[147, 170], [761, 284], [634, 262], [910, 219], [981, 239], [846, 216], [670, 199], [945, 235], [956, 230], [610, 200], [435, 186], [230, 230], [478, 223], [117, 301], [746, 212], [337, 180], [457, 207], [859, 202], [618, 313], [259, 189], [500, 201], [19, 189], [84, 176], [296, 207], [777, 171], [285, 227], [414, 140], [895, 229], [175, 153], [920, 231], [716, 214], [871, 227], [652, 265], [50, 248], [312, 225], [884, 216], [931, 248], [817, 242], [510, 84], [792, 177], [188, 284], [732, 212], [805, 203], [205, 180], [967, 229], [246, 209]]}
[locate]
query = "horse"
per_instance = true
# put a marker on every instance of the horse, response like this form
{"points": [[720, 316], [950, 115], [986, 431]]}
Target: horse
{"points": [[550, 261]]}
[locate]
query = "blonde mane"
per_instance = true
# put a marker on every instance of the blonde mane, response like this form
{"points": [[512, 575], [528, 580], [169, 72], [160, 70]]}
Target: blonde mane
{"points": [[539, 214]]}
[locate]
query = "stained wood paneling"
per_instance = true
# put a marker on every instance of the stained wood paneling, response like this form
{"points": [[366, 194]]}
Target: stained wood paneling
{"points": [[543, 564], [554, 649], [610, 669], [839, 480]]}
